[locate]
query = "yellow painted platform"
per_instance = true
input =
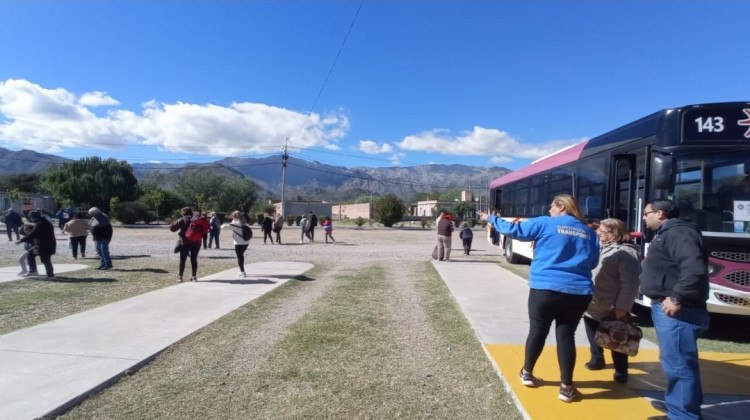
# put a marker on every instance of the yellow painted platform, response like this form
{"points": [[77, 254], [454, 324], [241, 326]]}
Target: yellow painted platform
{"points": [[721, 373]]}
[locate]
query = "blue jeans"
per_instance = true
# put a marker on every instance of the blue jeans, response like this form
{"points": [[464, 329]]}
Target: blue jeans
{"points": [[678, 354], [102, 247]]}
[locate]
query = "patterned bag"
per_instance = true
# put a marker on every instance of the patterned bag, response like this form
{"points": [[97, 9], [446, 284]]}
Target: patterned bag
{"points": [[622, 336]]}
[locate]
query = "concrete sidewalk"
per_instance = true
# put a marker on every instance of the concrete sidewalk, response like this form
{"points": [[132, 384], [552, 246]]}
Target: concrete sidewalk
{"points": [[48, 368], [11, 273], [494, 301]]}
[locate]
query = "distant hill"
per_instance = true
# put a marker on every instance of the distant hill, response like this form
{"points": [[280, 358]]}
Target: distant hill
{"points": [[304, 179]]}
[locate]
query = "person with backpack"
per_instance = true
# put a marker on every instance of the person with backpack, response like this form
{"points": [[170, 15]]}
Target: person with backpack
{"points": [[191, 233], [43, 236], [466, 236], [241, 235], [277, 226]]}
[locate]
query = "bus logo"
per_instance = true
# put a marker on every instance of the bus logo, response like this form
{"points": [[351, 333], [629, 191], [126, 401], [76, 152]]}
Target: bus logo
{"points": [[746, 122]]}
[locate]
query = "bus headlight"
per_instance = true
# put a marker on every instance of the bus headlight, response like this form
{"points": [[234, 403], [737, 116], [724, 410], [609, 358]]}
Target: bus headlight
{"points": [[714, 269]]}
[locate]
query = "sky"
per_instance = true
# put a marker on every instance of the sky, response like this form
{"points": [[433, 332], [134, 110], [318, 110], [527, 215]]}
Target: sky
{"points": [[355, 83]]}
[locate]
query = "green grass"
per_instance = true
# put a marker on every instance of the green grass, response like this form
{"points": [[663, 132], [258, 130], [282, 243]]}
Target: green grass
{"points": [[341, 359]]}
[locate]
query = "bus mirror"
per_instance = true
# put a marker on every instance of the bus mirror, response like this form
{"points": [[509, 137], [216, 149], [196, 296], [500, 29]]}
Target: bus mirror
{"points": [[661, 169]]}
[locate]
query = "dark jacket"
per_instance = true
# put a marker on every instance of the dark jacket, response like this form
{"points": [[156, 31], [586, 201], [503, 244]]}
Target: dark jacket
{"points": [[267, 224], [101, 228], [13, 219], [676, 265], [444, 227], [44, 234]]}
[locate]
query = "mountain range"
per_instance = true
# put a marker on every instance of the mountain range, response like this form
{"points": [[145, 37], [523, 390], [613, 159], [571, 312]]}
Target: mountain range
{"points": [[304, 180]]}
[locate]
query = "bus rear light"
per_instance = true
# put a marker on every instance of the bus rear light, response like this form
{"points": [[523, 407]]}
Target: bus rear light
{"points": [[732, 300], [738, 278]]}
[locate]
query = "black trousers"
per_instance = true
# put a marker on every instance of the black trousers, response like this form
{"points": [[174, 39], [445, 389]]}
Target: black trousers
{"points": [[191, 249], [46, 259], [239, 250], [78, 241], [619, 359], [566, 310]]}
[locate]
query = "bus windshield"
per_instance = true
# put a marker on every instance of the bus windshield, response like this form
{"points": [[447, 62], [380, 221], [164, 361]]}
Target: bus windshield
{"points": [[714, 191]]}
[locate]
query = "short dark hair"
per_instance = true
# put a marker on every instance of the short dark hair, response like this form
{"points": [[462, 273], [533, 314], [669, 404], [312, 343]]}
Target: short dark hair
{"points": [[667, 206]]}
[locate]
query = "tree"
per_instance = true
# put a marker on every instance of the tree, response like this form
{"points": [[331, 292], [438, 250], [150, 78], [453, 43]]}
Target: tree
{"points": [[450, 195], [92, 181], [236, 194], [202, 187], [24, 182], [461, 209], [388, 209], [16, 196]]}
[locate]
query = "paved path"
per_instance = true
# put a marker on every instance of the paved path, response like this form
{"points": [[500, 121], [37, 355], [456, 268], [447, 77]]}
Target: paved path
{"points": [[494, 302], [51, 367]]}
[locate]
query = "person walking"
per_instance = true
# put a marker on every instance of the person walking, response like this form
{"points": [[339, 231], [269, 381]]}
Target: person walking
{"points": [[444, 233], [43, 236], [202, 221], [328, 228], [213, 236], [615, 289], [267, 226], [566, 251], [12, 223], [61, 218], [240, 244], [277, 226], [191, 232], [311, 228], [305, 225], [674, 276], [466, 236], [78, 229], [101, 232], [28, 247]]}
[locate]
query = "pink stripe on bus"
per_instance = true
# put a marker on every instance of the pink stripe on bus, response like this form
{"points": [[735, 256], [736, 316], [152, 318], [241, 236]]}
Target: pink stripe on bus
{"points": [[562, 157]]}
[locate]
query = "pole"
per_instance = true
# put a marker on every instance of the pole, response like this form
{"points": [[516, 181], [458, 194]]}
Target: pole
{"points": [[284, 158]]}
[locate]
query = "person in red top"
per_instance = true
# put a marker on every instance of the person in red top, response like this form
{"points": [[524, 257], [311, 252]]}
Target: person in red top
{"points": [[192, 239]]}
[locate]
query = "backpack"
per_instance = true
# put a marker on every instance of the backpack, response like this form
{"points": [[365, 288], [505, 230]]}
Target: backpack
{"points": [[194, 232], [247, 233]]}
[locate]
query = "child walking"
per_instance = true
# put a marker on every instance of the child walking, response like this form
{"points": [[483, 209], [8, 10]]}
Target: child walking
{"points": [[27, 247], [328, 228]]}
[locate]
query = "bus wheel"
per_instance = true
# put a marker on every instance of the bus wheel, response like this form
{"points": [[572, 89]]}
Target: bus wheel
{"points": [[509, 255]]}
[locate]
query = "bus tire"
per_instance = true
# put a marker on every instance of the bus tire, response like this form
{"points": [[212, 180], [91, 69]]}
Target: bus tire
{"points": [[511, 257]]}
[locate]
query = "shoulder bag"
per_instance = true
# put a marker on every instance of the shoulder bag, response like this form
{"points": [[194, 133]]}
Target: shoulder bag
{"points": [[620, 335]]}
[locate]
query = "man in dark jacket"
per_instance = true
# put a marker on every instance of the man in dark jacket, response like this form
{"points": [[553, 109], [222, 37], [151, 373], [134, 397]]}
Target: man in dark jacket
{"points": [[675, 276], [444, 231], [313, 222], [101, 232], [12, 223], [44, 235]]}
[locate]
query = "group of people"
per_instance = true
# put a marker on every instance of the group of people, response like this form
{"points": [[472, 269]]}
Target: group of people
{"points": [[192, 232], [38, 239], [581, 272], [445, 231]]}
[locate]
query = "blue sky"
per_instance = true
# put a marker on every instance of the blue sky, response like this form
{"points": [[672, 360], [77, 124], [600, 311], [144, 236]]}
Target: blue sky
{"points": [[350, 83]]}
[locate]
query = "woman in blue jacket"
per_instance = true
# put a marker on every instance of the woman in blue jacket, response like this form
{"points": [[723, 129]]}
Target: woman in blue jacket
{"points": [[565, 252]]}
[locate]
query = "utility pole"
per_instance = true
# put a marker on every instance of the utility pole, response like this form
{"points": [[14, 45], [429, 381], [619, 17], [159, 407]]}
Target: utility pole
{"points": [[284, 158]]}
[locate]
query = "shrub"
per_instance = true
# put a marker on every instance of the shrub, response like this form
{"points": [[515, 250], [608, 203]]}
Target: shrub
{"points": [[359, 221], [297, 220], [388, 210], [260, 217], [290, 220], [130, 212]]}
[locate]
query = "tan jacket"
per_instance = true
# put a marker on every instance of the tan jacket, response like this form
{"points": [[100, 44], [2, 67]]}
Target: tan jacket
{"points": [[77, 227]]}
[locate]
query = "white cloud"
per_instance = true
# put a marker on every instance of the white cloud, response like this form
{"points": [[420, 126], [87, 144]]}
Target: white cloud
{"points": [[97, 99], [372, 148], [48, 119], [480, 142], [501, 159]]}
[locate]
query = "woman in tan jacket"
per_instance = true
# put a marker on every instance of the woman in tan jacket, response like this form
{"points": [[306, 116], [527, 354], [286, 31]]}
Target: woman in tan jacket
{"points": [[78, 229]]}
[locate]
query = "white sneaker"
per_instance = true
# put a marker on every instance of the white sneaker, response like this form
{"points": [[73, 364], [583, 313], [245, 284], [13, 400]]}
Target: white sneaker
{"points": [[23, 273], [241, 274], [301, 242], [31, 274]]}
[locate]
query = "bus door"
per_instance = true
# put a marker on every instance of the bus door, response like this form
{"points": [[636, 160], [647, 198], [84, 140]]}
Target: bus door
{"points": [[628, 189]]}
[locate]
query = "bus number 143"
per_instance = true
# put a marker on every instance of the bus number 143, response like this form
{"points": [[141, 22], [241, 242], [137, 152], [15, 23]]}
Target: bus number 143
{"points": [[710, 124]]}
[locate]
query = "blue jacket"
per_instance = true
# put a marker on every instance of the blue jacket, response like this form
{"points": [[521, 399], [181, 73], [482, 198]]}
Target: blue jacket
{"points": [[565, 251]]}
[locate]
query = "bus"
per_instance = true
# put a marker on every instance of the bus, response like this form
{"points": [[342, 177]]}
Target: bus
{"points": [[697, 155]]}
